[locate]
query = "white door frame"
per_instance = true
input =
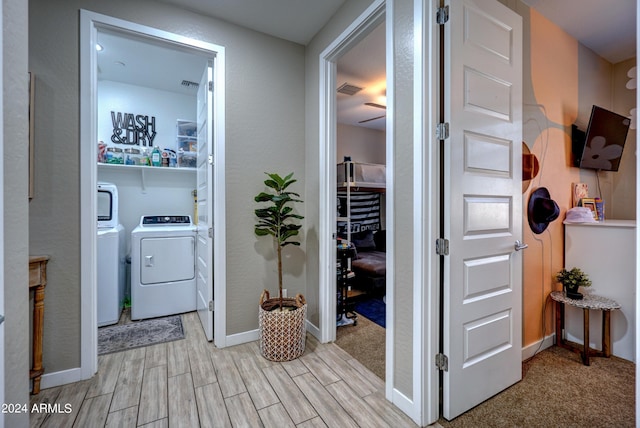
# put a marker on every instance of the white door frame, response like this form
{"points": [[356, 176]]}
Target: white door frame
{"points": [[89, 24], [427, 217], [358, 29], [2, 309], [423, 405]]}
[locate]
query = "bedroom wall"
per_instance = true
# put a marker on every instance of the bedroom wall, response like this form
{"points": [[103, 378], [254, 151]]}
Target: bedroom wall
{"points": [[362, 144], [563, 79], [264, 132], [623, 195]]}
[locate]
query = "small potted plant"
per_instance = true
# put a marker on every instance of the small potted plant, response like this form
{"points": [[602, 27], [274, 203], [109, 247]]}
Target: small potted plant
{"points": [[282, 327], [571, 280]]}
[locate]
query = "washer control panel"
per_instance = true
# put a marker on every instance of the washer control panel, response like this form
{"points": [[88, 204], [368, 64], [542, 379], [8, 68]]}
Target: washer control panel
{"points": [[165, 220]]}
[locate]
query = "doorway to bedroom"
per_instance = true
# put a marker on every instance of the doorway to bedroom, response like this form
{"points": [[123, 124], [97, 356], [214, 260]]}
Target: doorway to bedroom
{"points": [[360, 148]]}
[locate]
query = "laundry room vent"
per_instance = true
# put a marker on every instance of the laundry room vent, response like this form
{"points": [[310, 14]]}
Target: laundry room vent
{"points": [[349, 89], [190, 84]]}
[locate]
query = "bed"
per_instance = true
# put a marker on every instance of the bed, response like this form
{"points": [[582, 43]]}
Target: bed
{"points": [[361, 176], [370, 263]]}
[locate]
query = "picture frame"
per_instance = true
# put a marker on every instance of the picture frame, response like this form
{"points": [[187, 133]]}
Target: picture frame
{"points": [[591, 204]]}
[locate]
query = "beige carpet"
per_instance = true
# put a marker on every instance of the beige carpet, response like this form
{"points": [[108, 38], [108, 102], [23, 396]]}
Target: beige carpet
{"points": [[556, 389], [365, 342]]}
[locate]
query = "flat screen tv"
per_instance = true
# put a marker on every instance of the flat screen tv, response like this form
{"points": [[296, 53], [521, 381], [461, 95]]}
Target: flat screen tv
{"points": [[600, 147]]}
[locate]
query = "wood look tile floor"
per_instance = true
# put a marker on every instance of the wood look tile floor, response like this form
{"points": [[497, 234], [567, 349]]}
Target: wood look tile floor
{"points": [[190, 383]]}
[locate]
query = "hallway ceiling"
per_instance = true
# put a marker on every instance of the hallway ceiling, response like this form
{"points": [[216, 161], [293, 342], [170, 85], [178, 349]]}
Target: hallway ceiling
{"points": [[294, 20], [606, 27]]}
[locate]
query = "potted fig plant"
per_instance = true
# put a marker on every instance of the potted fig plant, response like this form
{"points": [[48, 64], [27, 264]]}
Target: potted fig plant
{"points": [[571, 280], [282, 321]]}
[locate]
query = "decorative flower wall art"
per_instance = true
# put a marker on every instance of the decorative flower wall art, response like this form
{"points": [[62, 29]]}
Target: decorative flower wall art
{"points": [[632, 84]]}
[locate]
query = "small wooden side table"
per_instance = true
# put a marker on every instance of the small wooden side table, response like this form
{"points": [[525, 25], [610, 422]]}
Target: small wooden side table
{"points": [[37, 282], [589, 301]]}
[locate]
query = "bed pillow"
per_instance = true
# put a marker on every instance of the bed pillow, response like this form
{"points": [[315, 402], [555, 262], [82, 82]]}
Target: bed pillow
{"points": [[363, 241]]}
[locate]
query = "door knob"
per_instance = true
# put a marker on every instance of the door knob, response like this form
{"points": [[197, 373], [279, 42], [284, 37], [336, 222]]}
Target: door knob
{"points": [[520, 246]]}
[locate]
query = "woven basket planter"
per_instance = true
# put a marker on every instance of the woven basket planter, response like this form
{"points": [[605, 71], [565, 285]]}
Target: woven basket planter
{"points": [[282, 333]]}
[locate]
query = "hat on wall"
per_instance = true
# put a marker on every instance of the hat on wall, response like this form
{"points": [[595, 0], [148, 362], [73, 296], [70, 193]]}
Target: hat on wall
{"points": [[542, 210]]}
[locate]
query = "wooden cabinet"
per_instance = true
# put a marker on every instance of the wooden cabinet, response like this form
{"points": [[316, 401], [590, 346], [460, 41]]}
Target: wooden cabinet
{"points": [[37, 282]]}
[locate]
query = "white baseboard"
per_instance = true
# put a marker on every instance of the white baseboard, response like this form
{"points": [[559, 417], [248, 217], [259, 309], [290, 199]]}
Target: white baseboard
{"points": [[530, 350], [49, 380], [315, 331], [253, 335], [244, 337]]}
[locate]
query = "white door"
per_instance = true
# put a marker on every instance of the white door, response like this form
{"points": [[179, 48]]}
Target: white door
{"points": [[204, 243], [482, 318]]}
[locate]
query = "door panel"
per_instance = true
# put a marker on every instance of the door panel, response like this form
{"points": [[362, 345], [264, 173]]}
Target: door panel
{"points": [[204, 243], [482, 202]]}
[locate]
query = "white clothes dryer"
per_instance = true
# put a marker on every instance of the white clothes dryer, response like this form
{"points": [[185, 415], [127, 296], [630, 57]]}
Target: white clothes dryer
{"points": [[111, 256], [163, 273]]}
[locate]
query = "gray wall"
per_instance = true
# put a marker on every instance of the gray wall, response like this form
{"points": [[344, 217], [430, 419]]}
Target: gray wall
{"points": [[15, 227], [264, 132]]}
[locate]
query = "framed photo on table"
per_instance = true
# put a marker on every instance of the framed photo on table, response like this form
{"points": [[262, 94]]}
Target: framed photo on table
{"points": [[591, 204]]}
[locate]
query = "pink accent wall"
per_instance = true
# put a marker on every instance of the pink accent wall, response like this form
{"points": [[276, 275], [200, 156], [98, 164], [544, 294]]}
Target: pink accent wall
{"points": [[563, 80]]}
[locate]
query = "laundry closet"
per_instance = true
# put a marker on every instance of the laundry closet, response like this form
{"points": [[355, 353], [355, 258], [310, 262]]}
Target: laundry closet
{"points": [[147, 153]]}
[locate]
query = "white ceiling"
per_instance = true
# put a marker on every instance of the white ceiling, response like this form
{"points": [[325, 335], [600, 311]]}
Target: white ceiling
{"points": [[294, 20], [364, 66], [139, 61], [606, 27]]}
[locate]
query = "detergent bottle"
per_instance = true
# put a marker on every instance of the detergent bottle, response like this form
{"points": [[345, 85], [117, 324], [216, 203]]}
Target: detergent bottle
{"points": [[155, 156]]}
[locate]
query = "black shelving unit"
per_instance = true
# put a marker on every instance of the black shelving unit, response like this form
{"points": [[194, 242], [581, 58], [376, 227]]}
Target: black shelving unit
{"points": [[344, 313]]}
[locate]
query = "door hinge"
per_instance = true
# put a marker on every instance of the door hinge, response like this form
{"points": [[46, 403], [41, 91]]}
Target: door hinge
{"points": [[211, 85], [442, 15], [210, 160], [211, 305], [211, 232], [442, 131], [442, 247], [442, 362]]}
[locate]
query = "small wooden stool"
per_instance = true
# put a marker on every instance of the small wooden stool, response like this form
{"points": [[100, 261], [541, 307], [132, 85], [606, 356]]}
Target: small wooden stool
{"points": [[589, 301]]}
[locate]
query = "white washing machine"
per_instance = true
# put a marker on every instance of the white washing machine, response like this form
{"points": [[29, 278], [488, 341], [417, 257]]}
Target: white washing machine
{"points": [[111, 256], [163, 272]]}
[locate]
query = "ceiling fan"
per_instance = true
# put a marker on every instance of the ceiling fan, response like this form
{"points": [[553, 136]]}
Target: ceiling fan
{"points": [[377, 117]]}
